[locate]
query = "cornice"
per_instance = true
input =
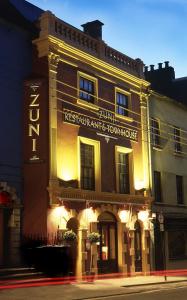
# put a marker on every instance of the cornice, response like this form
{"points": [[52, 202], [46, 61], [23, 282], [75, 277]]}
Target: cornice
{"points": [[53, 44]]}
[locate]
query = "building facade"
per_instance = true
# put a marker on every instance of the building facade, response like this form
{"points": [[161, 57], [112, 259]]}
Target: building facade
{"points": [[16, 34], [86, 148], [168, 150]]}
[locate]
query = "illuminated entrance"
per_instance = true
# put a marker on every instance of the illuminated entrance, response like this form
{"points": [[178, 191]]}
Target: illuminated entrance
{"points": [[107, 250]]}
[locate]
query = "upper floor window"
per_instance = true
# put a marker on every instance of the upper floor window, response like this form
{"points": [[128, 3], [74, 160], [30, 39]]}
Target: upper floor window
{"points": [[155, 132], [123, 172], [122, 104], [87, 88], [87, 167], [179, 189], [157, 186], [177, 139]]}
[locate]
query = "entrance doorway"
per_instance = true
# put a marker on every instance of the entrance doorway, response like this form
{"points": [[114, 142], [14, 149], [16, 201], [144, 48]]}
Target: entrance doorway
{"points": [[107, 250], [138, 247]]}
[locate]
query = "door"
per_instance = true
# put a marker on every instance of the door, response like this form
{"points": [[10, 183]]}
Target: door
{"points": [[107, 249]]}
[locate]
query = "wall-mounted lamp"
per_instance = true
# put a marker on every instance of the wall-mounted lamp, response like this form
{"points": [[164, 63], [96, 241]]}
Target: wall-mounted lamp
{"points": [[124, 216], [140, 191], [143, 215]]}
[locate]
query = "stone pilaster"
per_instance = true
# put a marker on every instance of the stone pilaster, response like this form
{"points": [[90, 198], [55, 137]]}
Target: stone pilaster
{"points": [[145, 142], [53, 64]]}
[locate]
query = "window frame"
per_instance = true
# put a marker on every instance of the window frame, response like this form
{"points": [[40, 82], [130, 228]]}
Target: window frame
{"points": [[155, 133], [124, 150], [97, 169], [180, 190], [158, 194], [177, 140], [128, 94], [84, 102]]}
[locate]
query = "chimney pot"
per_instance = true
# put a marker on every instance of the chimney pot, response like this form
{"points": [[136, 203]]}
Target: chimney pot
{"points": [[160, 66], [152, 67], [94, 29], [146, 69], [166, 64]]}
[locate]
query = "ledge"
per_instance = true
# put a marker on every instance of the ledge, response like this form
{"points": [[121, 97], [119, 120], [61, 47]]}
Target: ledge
{"points": [[72, 194], [87, 104]]}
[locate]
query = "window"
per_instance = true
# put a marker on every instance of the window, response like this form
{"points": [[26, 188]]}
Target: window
{"points": [[86, 90], [123, 172], [157, 186], [155, 132], [179, 189], [87, 167], [122, 103], [87, 87], [177, 142], [177, 244]]}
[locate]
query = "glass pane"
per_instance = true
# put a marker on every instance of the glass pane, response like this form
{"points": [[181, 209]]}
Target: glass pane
{"points": [[104, 245], [112, 242]]}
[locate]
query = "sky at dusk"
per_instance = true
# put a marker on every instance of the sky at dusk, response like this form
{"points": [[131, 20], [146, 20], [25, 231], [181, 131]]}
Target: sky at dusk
{"points": [[153, 30]]}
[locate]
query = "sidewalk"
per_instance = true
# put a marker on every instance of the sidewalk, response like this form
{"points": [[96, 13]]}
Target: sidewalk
{"points": [[56, 289]]}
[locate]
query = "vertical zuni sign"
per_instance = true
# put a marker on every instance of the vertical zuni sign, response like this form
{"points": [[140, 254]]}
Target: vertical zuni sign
{"points": [[34, 119]]}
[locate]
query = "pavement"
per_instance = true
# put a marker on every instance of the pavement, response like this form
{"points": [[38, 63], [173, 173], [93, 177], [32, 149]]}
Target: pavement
{"points": [[56, 288]]}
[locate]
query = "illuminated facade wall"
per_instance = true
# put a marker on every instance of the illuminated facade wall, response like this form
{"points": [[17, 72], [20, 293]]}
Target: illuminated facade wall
{"points": [[87, 150], [169, 180]]}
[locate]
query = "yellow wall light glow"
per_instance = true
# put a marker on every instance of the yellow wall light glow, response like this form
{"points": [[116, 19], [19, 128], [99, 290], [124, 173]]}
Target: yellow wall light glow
{"points": [[124, 216], [139, 184], [59, 213], [88, 215], [143, 215]]}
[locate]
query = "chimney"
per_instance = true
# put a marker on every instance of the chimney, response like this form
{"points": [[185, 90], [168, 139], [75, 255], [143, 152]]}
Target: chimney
{"points": [[152, 67], [166, 64], [159, 66], [94, 29], [146, 69]]}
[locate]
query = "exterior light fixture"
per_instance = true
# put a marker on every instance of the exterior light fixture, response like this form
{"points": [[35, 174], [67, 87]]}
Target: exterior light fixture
{"points": [[143, 215], [124, 215]]}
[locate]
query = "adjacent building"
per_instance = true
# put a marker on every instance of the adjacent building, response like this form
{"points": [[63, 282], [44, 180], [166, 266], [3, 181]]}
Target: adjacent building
{"points": [[86, 148], [168, 161], [16, 34]]}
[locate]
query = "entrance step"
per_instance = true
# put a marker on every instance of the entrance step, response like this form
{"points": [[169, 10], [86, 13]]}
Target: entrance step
{"points": [[19, 273]]}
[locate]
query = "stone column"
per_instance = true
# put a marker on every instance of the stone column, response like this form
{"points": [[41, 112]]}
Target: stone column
{"points": [[132, 252], [53, 64], [81, 254], [122, 248], [93, 228]]}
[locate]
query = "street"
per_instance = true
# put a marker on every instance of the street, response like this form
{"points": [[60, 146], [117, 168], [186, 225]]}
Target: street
{"points": [[173, 294], [169, 291]]}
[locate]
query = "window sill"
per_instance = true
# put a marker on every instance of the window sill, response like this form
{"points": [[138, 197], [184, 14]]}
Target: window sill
{"points": [[178, 154], [125, 118], [157, 148], [87, 104]]}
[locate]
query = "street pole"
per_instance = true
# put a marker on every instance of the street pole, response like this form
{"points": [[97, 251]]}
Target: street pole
{"points": [[161, 221]]}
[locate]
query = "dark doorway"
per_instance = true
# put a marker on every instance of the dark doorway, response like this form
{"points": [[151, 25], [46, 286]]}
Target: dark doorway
{"points": [[138, 247], [107, 250], [159, 257]]}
